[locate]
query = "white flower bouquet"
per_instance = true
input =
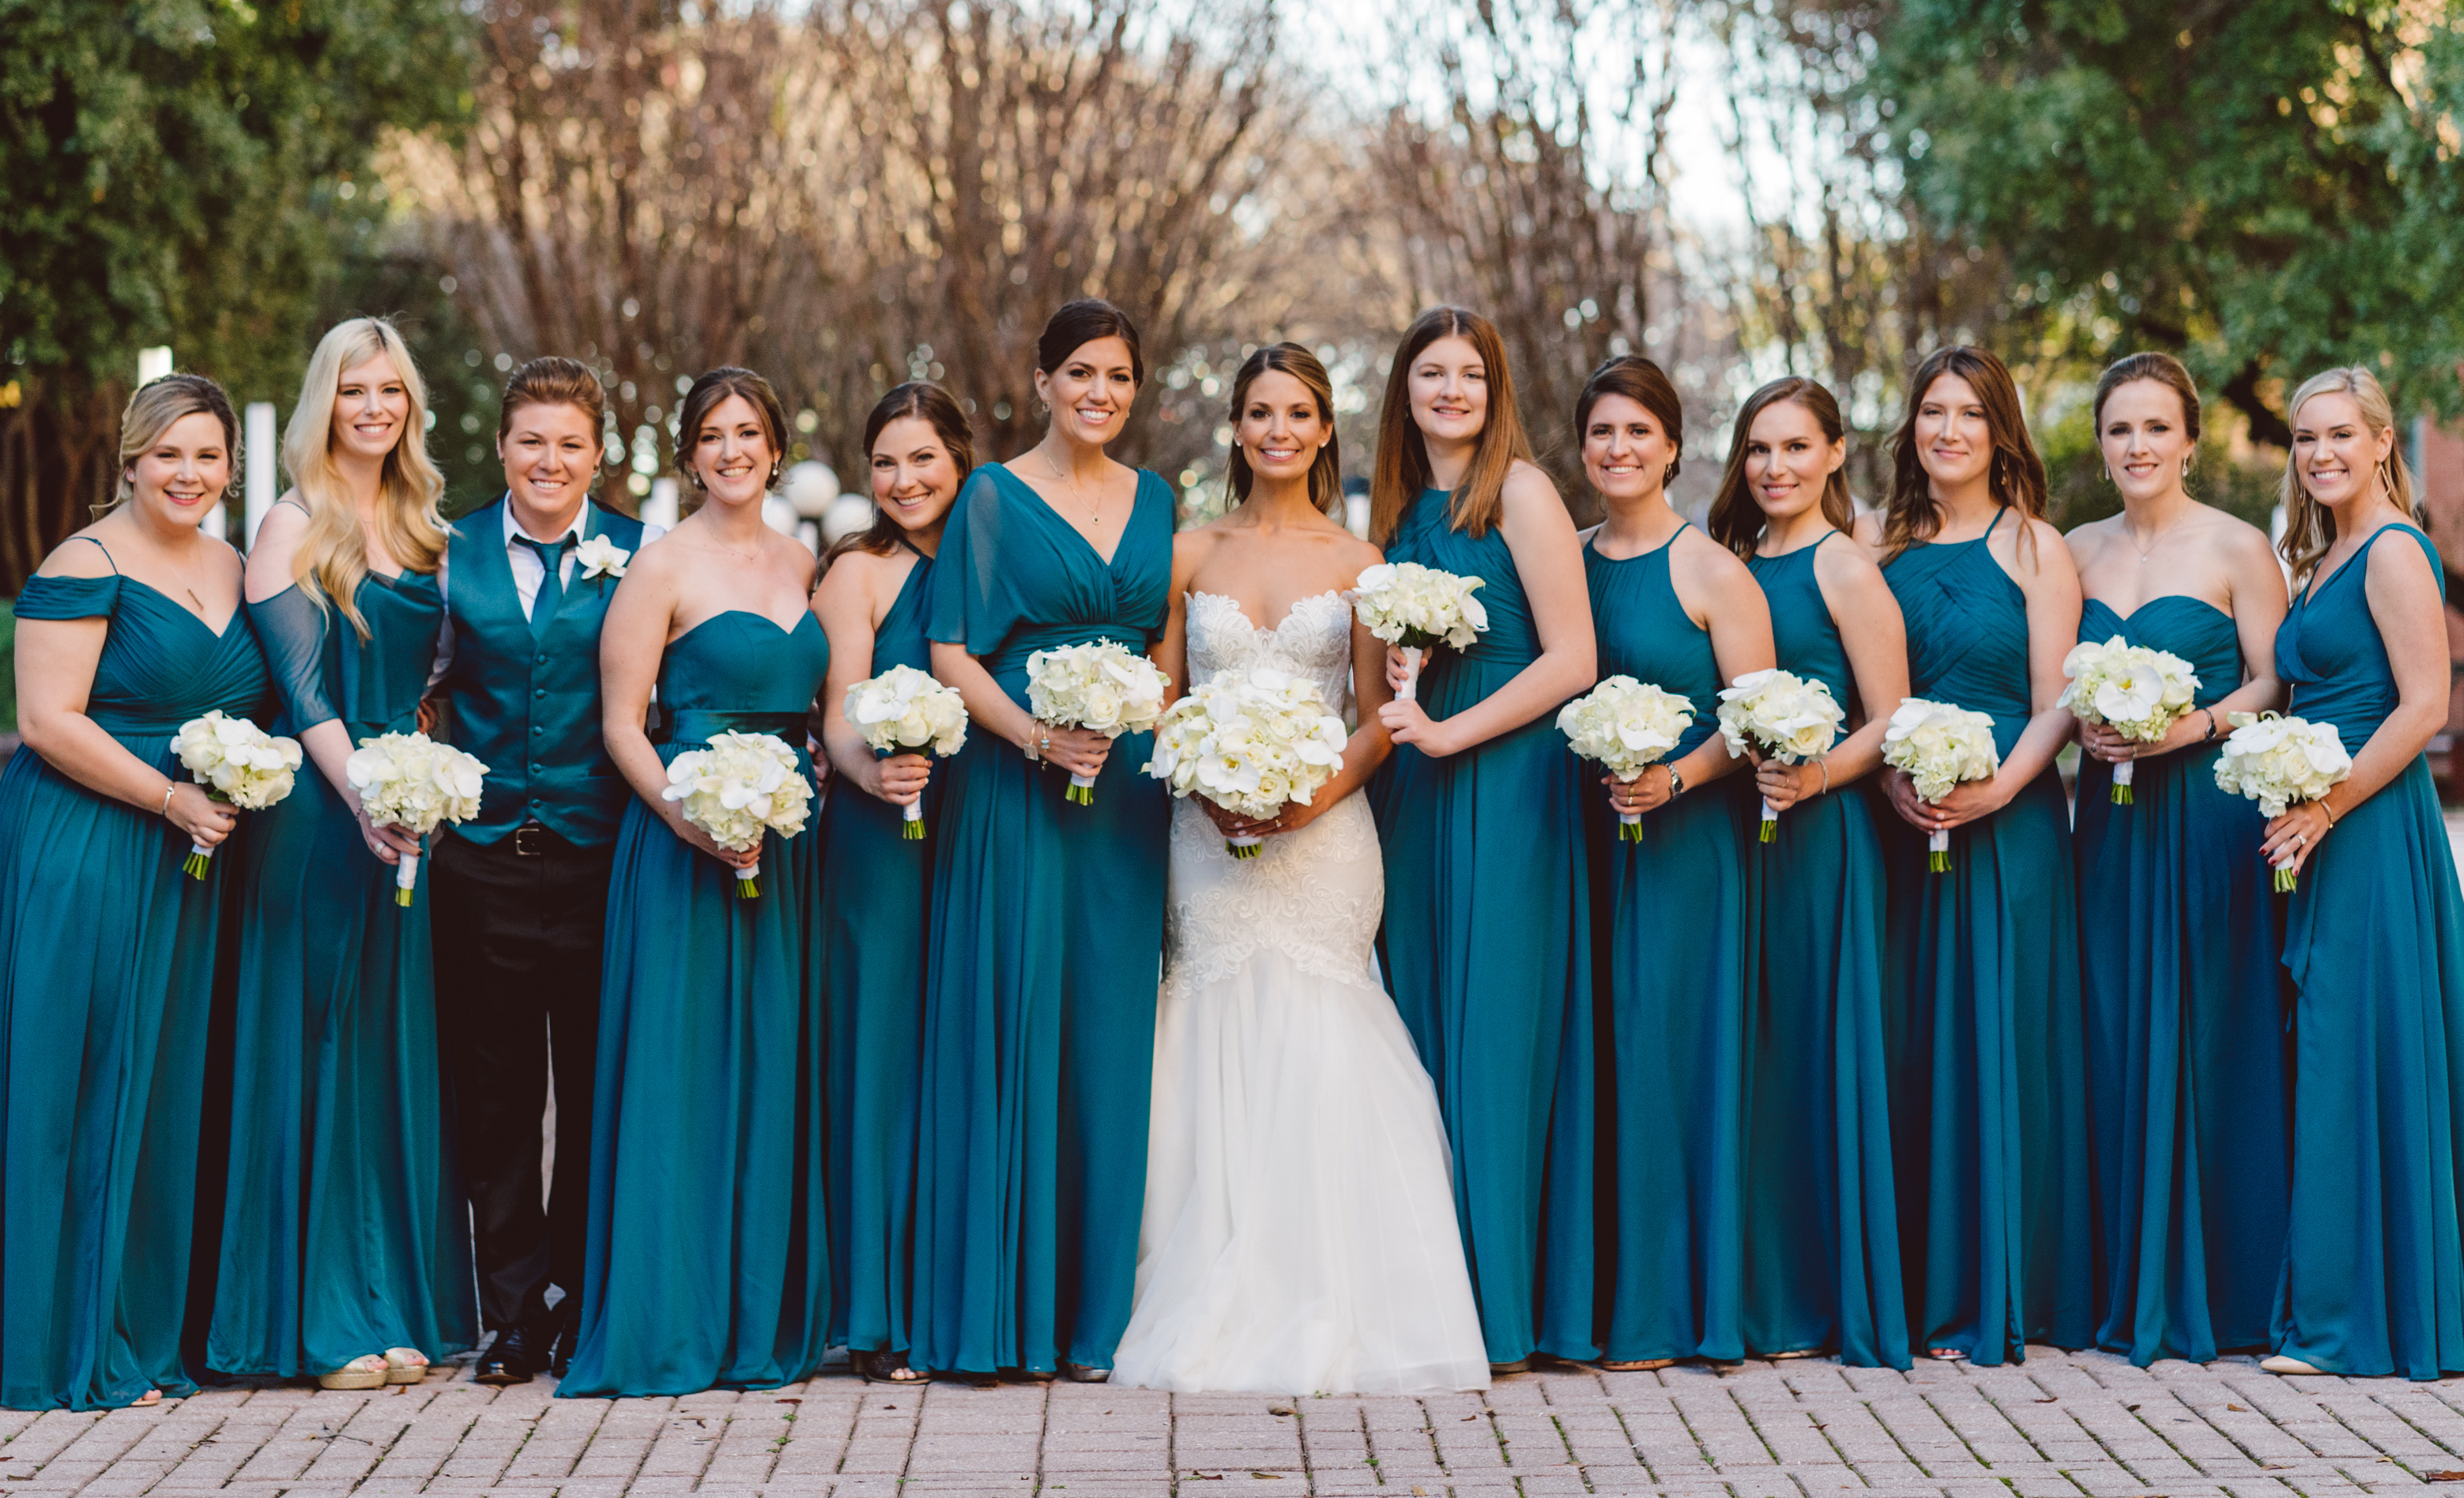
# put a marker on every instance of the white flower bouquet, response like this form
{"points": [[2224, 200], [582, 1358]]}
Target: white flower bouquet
{"points": [[238, 763], [740, 787], [1939, 746], [1625, 725], [904, 708], [2138, 692], [1790, 719], [1249, 742], [1099, 686], [410, 781], [2277, 761], [1407, 604]]}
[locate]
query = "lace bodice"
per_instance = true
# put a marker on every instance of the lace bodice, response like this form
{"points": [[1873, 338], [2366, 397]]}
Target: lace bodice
{"points": [[1314, 640]]}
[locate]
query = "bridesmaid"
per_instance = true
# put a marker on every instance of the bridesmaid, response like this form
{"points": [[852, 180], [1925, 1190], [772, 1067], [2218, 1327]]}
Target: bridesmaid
{"points": [[126, 633], [1673, 609], [1989, 1090], [1487, 939], [707, 1263], [2374, 934], [876, 883], [2179, 940], [1821, 1230], [1048, 918], [347, 1239]]}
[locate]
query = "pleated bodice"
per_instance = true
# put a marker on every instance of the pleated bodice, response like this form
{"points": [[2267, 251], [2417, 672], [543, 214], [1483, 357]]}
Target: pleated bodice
{"points": [[2190, 627], [161, 665], [1968, 630], [1645, 632]]}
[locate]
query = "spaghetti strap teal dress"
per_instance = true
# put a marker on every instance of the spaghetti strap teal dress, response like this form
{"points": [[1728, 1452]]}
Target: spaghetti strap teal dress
{"points": [[1675, 941], [707, 1262], [2374, 941], [101, 1090], [1044, 955], [1487, 950], [2186, 1004], [1989, 1124], [1821, 1233]]}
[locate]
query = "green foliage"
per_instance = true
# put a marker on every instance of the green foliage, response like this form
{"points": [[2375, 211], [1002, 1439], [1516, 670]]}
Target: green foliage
{"points": [[8, 666], [463, 385], [2081, 492]]}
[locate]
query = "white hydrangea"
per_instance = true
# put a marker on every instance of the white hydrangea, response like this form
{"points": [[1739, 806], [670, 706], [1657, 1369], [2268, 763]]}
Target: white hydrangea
{"points": [[1249, 742], [2136, 690], [1098, 686], [740, 788], [1625, 725], [411, 781], [1789, 718]]}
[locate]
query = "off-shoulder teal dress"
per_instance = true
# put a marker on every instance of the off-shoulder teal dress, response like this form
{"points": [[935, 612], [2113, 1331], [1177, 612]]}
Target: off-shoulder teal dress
{"points": [[1674, 943], [1046, 951], [1988, 1095], [109, 952], [1487, 950], [707, 1262], [1822, 1238], [2374, 941], [2186, 1004]]}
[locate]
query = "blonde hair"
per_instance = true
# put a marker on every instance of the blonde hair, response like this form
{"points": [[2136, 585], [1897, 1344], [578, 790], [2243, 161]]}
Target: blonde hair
{"points": [[2309, 528], [156, 406], [334, 557]]}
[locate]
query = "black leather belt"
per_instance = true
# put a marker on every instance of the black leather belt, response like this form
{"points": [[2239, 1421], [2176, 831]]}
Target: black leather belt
{"points": [[530, 840]]}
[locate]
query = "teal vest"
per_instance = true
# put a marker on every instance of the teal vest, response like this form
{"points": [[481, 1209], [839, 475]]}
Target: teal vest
{"points": [[529, 709]]}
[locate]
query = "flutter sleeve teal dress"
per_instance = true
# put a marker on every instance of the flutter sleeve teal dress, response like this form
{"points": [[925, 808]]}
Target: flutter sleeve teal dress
{"points": [[109, 952], [1046, 953]]}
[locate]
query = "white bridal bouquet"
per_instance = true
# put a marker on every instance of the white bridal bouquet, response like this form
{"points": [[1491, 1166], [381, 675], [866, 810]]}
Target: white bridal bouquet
{"points": [[1940, 745], [238, 763], [1789, 718], [2276, 761], [904, 708], [2137, 692], [410, 781], [1249, 742], [1099, 686], [1625, 725], [1405, 603], [742, 786]]}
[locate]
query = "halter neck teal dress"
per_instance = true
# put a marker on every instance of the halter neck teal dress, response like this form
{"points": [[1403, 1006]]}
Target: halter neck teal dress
{"points": [[2374, 941], [1989, 1125], [1821, 1230], [707, 1262], [1487, 949], [101, 1093], [2186, 1004], [1046, 952]]}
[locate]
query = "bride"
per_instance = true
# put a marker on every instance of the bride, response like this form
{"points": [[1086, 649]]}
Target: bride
{"points": [[1300, 1233]]}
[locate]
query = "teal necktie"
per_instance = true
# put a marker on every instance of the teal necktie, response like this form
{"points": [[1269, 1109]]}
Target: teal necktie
{"points": [[551, 588]]}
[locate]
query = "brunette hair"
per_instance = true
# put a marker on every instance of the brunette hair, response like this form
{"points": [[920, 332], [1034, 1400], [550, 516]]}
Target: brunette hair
{"points": [[1402, 469], [1325, 474], [333, 556], [711, 390], [2016, 476], [929, 402], [2309, 528], [1645, 384], [2163, 368], [1082, 323], [554, 381], [154, 409], [1735, 520]]}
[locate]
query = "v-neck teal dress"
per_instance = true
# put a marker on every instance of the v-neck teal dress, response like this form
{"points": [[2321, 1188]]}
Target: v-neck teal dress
{"points": [[109, 954], [2374, 941], [707, 1262], [1043, 958]]}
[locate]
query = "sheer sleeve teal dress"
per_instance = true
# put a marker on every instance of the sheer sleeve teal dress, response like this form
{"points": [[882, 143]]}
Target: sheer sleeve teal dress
{"points": [[345, 1231], [1822, 1238], [1487, 950], [1989, 1124], [2186, 1004], [2374, 941], [707, 1259], [1046, 953], [1675, 942], [109, 953]]}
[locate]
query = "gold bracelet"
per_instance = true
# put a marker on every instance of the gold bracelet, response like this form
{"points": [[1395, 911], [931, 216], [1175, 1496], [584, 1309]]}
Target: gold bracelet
{"points": [[2330, 811]]}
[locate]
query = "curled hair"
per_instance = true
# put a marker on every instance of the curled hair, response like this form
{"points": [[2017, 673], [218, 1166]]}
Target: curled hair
{"points": [[2016, 476], [708, 394], [156, 406], [2163, 368], [1325, 474], [1736, 521], [1645, 384], [1402, 467], [334, 557], [926, 402], [1082, 323], [2309, 526], [554, 381]]}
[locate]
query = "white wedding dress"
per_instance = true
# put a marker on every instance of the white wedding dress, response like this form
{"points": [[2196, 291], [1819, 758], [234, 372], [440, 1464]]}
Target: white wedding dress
{"points": [[1300, 1233]]}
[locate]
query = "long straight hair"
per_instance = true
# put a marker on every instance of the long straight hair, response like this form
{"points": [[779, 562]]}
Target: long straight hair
{"points": [[1325, 474], [2016, 478], [1735, 520], [334, 557], [937, 408], [2309, 526], [1402, 469]]}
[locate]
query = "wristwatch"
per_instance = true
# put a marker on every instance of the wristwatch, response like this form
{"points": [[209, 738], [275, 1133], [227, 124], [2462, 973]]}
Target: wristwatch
{"points": [[1676, 783]]}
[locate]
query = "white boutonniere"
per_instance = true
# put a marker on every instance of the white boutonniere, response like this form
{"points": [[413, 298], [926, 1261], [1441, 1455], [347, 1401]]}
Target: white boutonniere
{"points": [[601, 557]]}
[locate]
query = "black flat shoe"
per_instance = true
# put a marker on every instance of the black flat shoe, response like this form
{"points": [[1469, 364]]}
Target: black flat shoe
{"points": [[568, 1331], [512, 1357], [884, 1366]]}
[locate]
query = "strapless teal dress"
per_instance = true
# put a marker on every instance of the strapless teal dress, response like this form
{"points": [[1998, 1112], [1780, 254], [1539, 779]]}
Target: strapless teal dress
{"points": [[707, 1262], [2185, 1006], [1822, 1237], [1989, 1123], [1046, 951], [1487, 949], [104, 1084], [2374, 939]]}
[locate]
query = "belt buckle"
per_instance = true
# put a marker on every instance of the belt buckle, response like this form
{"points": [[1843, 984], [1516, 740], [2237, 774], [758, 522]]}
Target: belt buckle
{"points": [[530, 841]]}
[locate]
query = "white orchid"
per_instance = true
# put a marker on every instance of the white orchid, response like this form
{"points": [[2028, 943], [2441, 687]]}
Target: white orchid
{"points": [[1625, 725], [1791, 719], [1413, 607], [740, 787], [904, 708], [411, 781], [237, 763], [1250, 741], [2279, 762], [1098, 686], [2138, 692], [1939, 745], [600, 557]]}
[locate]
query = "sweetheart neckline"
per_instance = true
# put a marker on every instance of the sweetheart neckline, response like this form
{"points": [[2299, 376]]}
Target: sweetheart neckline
{"points": [[1288, 614]]}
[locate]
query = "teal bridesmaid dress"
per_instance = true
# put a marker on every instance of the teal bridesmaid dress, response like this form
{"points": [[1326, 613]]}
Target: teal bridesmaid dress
{"points": [[345, 1231], [1046, 951], [1822, 1232], [2374, 939], [1989, 1123], [2186, 1004], [101, 1092], [708, 1260], [1487, 950], [1675, 941]]}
